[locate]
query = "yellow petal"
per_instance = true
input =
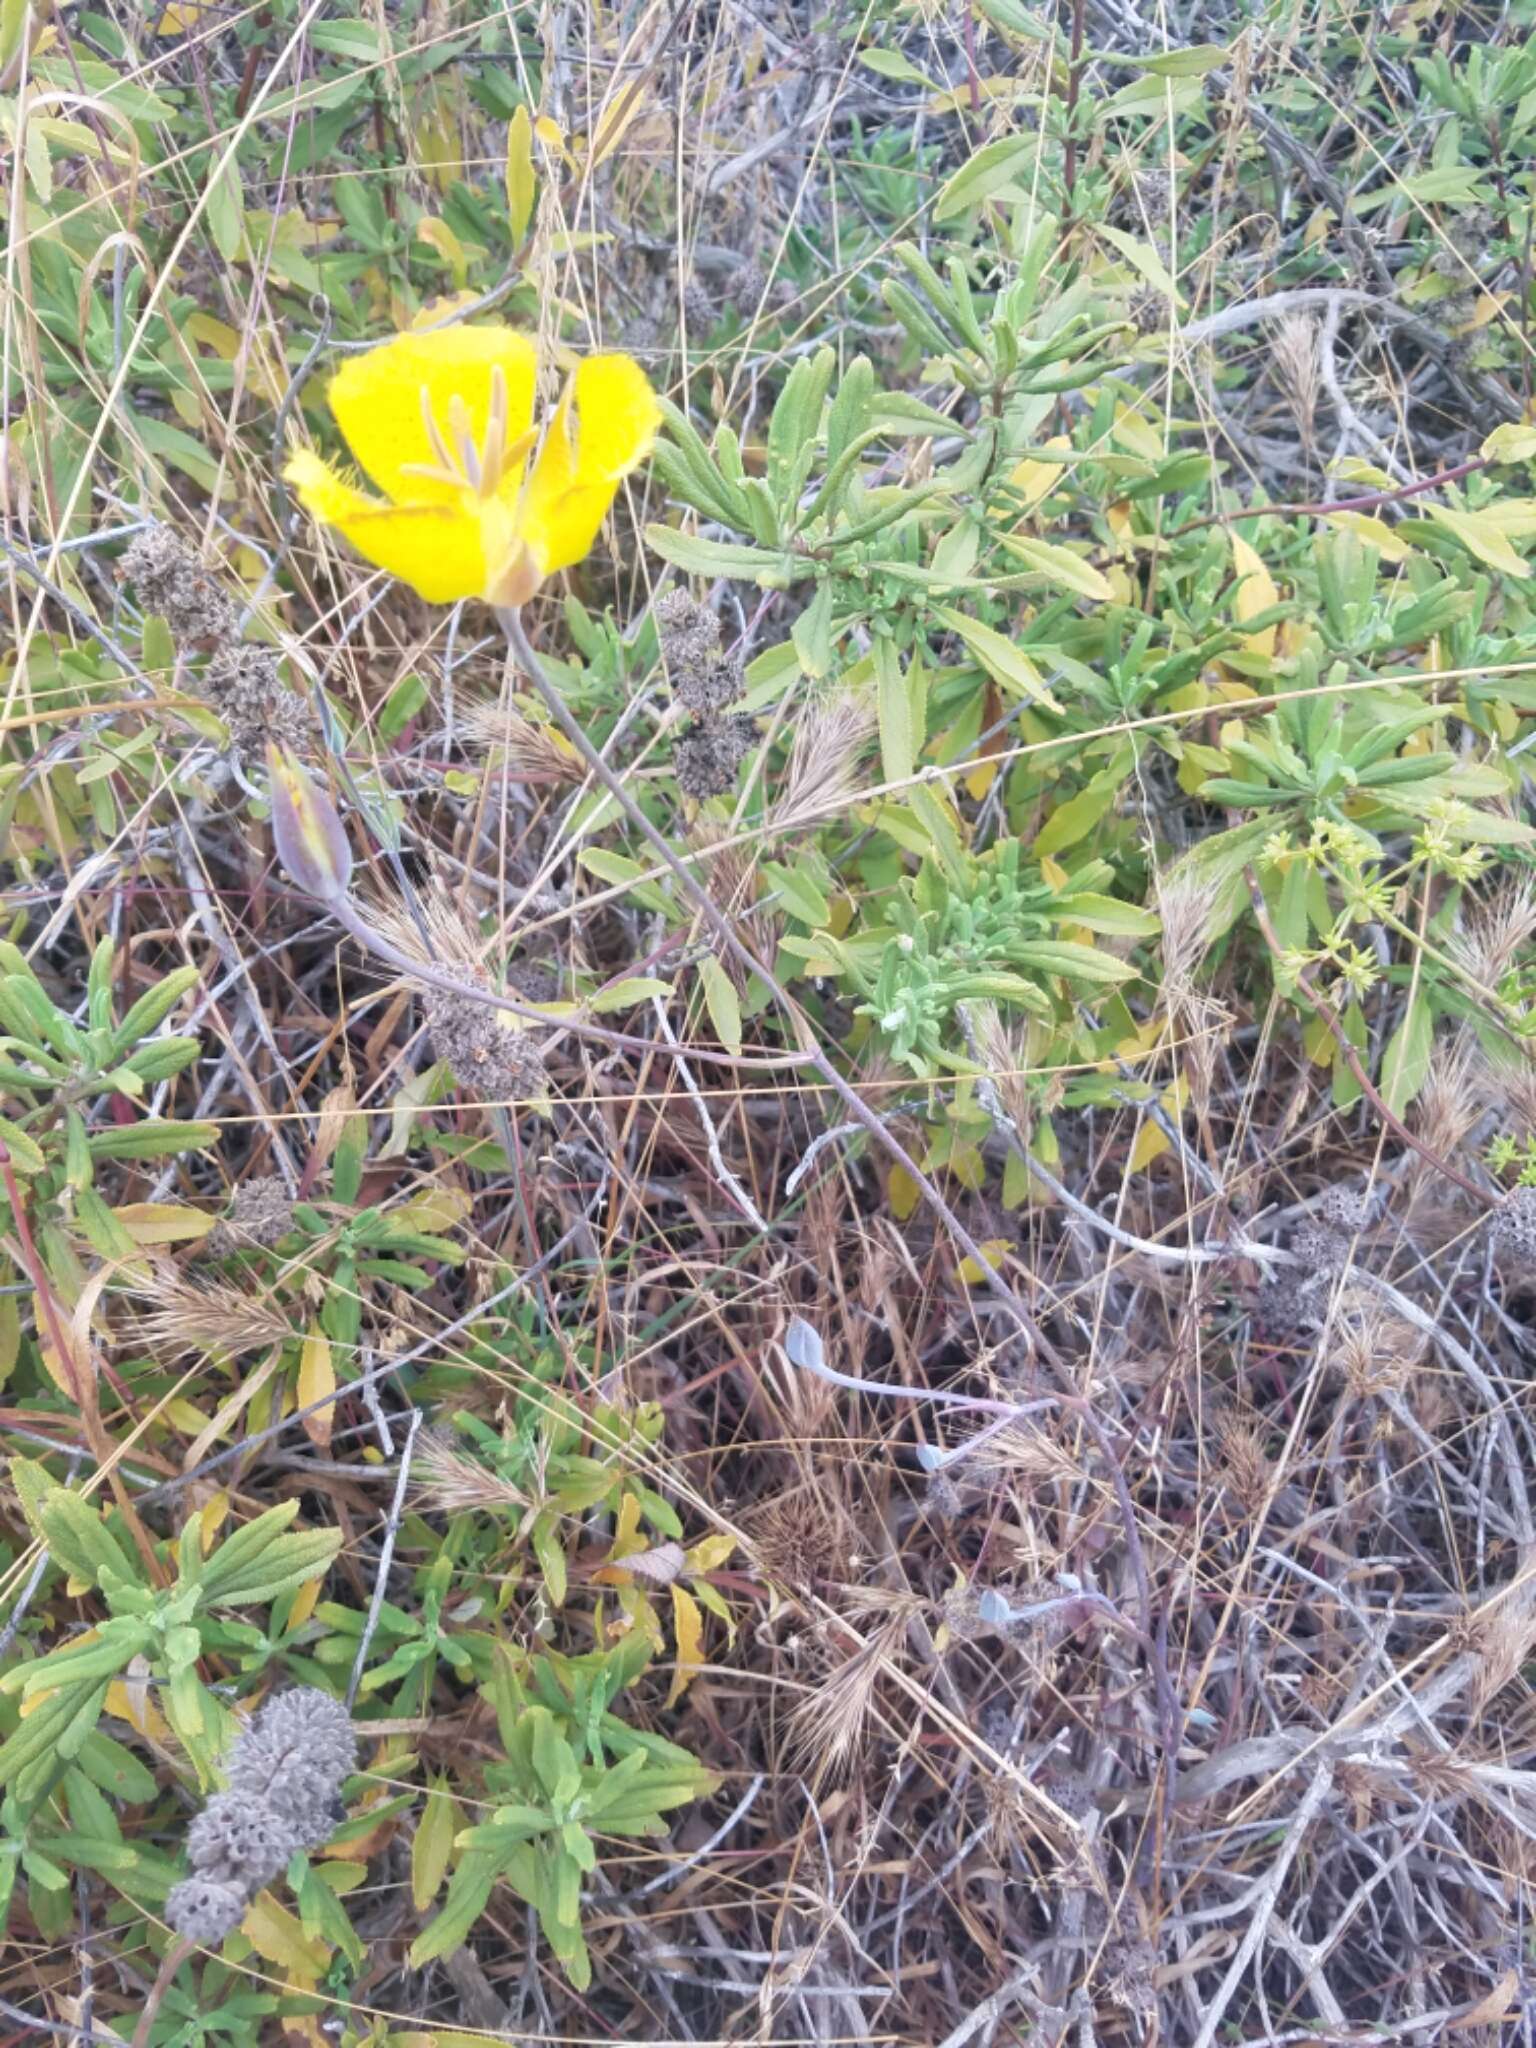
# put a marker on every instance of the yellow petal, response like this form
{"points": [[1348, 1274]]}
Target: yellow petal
{"points": [[438, 549], [605, 426], [377, 400]]}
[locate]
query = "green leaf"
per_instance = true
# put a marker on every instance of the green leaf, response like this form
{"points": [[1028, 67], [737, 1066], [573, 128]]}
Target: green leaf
{"points": [[153, 1139], [898, 738], [891, 64], [1076, 817], [634, 988], [468, 1896], [1405, 1063], [1107, 914], [1193, 62], [1006, 664], [726, 558], [432, 1846], [226, 212], [1064, 956], [990, 171], [721, 1001]]}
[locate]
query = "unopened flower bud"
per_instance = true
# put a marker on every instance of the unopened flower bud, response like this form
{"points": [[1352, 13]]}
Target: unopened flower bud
{"points": [[311, 842]]}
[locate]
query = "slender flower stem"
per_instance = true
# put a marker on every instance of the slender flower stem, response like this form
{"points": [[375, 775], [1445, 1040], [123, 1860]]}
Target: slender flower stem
{"points": [[726, 932]]}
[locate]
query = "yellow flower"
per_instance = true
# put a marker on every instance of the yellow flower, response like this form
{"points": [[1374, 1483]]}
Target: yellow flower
{"points": [[474, 503]]}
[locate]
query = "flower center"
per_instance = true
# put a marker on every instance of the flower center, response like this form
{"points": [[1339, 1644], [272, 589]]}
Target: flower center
{"points": [[461, 461]]}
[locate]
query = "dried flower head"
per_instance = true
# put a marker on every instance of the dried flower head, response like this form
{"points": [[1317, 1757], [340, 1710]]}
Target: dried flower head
{"points": [[1147, 310], [204, 1910], [700, 309], [1320, 1248], [707, 758], [172, 584]]}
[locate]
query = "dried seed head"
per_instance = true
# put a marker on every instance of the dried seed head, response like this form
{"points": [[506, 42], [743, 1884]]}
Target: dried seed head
{"points": [[1345, 1209], [699, 307], [240, 1842], [1376, 1351], [1126, 1973], [173, 584], [260, 1214], [701, 676], [1496, 932], [1147, 310], [711, 687], [825, 765], [243, 685], [1155, 192], [1513, 1229], [707, 758], [802, 1539], [216, 1317], [293, 1758], [489, 1062], [203, 1910], [1320, 1248], [532, 752]]}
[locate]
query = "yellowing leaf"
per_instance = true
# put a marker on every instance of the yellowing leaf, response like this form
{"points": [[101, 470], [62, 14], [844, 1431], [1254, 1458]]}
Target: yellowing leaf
{"points": [[436, 1212], [709, 1554], [182, 17], [1151, 1143], [1510, 443], [522, 185], [276, 1933], [1032, 479], [304, 1602], [903, 1193], [1392, 547], [317, 1380], [993, 1248], [133, 1702], [439, 236], [163, 1222], [1481, 534], [688, 1627], [211, 1518], [615, 120], [1255, 593]]}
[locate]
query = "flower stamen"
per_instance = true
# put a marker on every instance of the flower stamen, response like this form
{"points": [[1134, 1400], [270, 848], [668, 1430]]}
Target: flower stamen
{"points": [[439, 446], [494, 454], [462, 428]]}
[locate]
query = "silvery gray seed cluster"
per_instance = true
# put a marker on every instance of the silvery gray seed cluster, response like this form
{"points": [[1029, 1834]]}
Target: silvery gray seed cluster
{"points": [[285, 1774]]}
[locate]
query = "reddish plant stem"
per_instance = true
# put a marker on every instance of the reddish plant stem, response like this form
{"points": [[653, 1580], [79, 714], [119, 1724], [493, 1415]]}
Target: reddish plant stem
{"points": [[1365, 504]]}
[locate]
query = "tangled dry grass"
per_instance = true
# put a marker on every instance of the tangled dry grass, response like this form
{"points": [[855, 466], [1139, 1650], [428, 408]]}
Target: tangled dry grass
{"points": [[1133, 1650]]}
